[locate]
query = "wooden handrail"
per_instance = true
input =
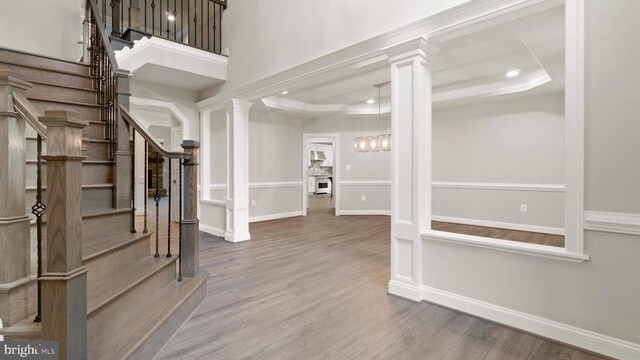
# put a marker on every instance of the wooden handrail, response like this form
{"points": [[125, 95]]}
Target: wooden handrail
{"points": [[30, 113], [103, 34], [150, 138]]}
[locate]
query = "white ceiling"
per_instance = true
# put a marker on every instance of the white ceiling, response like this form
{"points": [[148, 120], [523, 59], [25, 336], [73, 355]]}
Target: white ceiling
{"points": [[531, 44]]}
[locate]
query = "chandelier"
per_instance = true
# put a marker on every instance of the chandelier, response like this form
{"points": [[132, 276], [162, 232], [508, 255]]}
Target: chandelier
{"points": [[374, 143]]}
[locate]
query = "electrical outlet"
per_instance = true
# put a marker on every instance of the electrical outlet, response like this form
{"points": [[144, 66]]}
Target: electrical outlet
{"points": [[523, 207], [348, 167], [253, 203], [363, 198]]}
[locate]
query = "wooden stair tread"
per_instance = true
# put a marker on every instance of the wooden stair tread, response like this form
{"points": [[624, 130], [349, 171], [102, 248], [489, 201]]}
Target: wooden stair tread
{"points": [[31, 66], [74, 103], [88, 89], [112, 285], [25, 329], [96, 247], [175, 294]]}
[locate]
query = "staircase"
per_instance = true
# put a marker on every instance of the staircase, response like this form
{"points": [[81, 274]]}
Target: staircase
{"points": [[135, 302]]}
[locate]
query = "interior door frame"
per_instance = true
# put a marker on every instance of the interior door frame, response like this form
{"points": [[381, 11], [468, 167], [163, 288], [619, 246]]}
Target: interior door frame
{"points": [[333, 138]]}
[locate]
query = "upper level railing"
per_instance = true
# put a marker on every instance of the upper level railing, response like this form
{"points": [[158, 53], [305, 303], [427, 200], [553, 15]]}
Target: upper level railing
{"points": [[195, 23]]}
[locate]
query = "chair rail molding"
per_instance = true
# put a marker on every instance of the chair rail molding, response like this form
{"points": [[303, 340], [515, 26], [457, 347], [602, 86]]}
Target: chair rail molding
{"points": [[612, 222], [499, 186]]}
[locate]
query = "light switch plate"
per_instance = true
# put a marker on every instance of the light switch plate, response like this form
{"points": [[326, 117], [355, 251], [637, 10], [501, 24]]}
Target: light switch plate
{"points": [[348, 167]]}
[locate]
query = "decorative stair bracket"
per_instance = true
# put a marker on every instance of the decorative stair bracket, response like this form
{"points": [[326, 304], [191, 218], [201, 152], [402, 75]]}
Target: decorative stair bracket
{"points": [[190, 243], [17, 290], [64, 283]]}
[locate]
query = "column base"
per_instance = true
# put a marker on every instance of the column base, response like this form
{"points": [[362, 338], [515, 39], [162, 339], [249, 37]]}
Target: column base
{"points": [[404, 290], [233, 237]]}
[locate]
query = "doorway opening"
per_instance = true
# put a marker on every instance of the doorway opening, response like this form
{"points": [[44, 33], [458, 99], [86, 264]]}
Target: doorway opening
{"points": [[320, 180]]}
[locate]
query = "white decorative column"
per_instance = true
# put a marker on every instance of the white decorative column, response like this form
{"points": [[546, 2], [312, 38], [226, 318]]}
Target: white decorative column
{"points": [[410, 162], [205, 154], [237, 227]]}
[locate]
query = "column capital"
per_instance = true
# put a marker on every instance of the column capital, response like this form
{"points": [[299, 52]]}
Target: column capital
{"points": [[238, 105], [420, 46]]}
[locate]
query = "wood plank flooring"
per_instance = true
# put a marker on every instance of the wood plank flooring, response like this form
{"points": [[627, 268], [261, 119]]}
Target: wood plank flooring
{"points": [[315, 288]]}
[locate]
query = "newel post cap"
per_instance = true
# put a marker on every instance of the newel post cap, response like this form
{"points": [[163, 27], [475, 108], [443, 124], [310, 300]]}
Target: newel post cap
{"points": [[63, 118], [190, 144], [9, 78]]}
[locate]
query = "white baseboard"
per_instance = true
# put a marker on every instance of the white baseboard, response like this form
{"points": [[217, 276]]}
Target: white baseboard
{"points": [[567, 334], [212, 230], [406, 291], [501, 225], [364, 212], [274, 216]]}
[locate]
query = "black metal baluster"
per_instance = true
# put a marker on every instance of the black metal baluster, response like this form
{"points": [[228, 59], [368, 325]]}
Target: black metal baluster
{"points": [[169, 212], [175, 21], [121, 22], [195, 24], [145, 17], [153, 17], [201, 24], [182, 21], [38, 210], [220, 27], [214, 27], [133, 182], [180, 223], [146, 185], [157, 198], [209, 23], [168, 23]]}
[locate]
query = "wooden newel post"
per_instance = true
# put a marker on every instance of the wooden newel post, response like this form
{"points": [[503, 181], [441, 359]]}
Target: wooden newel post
{"points": [[190, 223], [17, 291], [64, 282]]}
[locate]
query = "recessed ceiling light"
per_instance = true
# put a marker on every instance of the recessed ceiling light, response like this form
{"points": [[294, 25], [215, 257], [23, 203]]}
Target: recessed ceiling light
{"points": [[512, 73], [371, 101], [284, 92], [171, 17]]}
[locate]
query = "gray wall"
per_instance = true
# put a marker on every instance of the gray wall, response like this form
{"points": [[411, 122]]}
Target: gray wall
{"points": [[601, 295], [275, 157], [514, 141]]}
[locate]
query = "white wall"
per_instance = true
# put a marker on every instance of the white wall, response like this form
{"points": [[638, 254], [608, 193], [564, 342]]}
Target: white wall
{"points": [[38, 27], [293, 32], [501, 141], [601, 295]]}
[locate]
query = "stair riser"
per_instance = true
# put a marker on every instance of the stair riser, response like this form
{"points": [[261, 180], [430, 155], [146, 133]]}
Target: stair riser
{"points": [[115, 260], [96, 227], [42, 62], [61, 94], [91, 198], [152, 345], [121, 314], [95, 151], [92, 174], [84, 111], [48, 76]]}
